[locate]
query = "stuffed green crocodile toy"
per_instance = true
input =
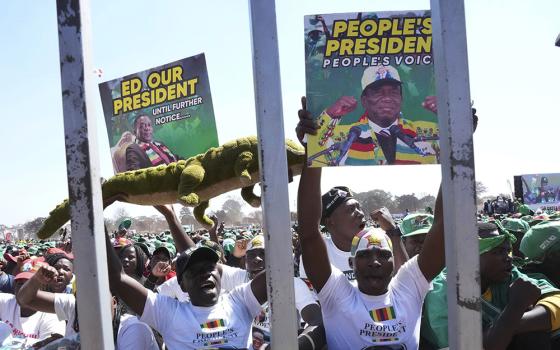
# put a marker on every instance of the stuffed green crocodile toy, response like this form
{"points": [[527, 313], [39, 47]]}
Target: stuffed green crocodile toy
{"points": [[192, 182]]}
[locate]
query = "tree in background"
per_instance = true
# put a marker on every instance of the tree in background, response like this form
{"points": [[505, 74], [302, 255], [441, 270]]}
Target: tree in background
{"points": [[254, 217], [375, 199], [232, 208], [427, 201], [407, 202], [187, 217], [480, 189], [222, 215], [31, 227], [119, 215]]}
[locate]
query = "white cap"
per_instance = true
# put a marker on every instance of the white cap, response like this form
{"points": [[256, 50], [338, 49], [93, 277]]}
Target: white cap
{"points": [[367, 239], [256, 243], [379, 73]]}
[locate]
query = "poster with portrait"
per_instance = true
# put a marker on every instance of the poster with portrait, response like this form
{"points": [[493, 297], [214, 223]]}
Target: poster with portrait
{"points": [[159, 115], [370, 87], [539, 191]]}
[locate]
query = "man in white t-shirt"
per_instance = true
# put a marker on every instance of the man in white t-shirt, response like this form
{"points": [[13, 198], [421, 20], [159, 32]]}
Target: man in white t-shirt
{"points": [[27, 325], [208, 320], [343, 217], [379, 310], [131, 333]]}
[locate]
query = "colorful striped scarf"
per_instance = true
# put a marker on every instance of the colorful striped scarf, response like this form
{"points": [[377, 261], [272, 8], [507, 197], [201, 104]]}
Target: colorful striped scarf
{"points": [[158, 153], [366, 150]]}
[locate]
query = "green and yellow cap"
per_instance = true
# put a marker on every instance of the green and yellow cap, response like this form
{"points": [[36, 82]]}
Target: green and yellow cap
{"points": [[416, 224]]}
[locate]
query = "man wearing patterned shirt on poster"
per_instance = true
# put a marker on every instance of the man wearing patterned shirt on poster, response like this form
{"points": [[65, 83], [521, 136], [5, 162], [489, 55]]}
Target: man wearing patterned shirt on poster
{"points": [[145, 152], [382, 135]]}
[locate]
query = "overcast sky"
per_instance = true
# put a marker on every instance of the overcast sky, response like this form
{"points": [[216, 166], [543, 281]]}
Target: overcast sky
{"points": [[514, 74]]}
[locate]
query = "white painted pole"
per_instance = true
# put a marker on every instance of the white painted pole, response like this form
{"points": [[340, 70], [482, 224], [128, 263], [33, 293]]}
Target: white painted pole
{"points": [[86, 209], [274, 175], [458, 176]]}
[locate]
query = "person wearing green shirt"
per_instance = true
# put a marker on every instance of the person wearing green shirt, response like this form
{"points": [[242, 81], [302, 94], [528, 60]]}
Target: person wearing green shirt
{"points": [[518, 311]]}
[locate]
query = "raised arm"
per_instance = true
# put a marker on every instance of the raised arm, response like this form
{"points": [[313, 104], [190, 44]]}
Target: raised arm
{"points": [[385, 220], [180, 237], [522, 295], [30, 294], [213, 232], [126, 287], [313, 249], [258, 287], [431, 259]]}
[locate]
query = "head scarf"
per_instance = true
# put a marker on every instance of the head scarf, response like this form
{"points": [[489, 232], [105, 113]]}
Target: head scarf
{"points": [[487, 244]]}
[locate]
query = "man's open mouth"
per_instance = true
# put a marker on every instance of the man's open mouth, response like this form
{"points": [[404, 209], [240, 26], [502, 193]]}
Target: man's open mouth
{"points": [[207, 285]]}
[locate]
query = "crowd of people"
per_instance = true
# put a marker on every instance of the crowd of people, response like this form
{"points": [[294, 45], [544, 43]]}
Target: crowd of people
{"points": [[499, 205], [361, 280]]}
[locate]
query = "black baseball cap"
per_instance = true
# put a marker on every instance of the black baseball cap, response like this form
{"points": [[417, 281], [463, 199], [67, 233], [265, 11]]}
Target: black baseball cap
{"points": [[193, 255], [333, 199]]}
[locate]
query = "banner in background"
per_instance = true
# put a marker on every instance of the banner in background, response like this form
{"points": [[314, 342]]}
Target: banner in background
{"points": [[540, 191]]}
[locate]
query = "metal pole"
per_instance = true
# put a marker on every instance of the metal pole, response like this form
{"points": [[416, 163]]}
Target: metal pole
{"points": [[274, 175], [88, 241], [458, 175]]}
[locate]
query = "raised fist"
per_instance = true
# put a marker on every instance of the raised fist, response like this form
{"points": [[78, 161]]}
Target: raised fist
{"points": [[161, 269], [342, 106], [46, 274], [523, 293], [383, 217]]}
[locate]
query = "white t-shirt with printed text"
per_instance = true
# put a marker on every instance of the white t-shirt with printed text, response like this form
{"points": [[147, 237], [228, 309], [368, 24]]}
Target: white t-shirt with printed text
{"points": [[132, 333], [30, 329], [337, 258], [261, 324], [226, 325], [354, 320]]}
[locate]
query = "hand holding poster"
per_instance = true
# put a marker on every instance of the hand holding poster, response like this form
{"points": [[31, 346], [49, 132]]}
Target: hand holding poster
{"points": [[370, 87], [160, 115]]}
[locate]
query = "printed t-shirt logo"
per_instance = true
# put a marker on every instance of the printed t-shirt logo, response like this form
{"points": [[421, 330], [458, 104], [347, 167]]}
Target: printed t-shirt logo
{"points": [[383, 314], [379, 340], [216, 342], [219, 323]]}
